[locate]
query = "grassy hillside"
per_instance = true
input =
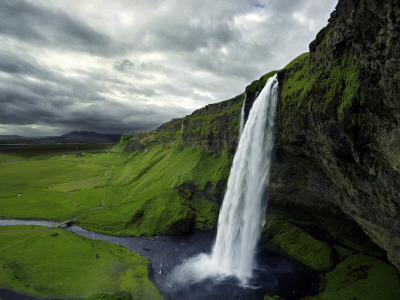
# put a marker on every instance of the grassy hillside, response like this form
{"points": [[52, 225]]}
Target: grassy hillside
{"points": [[162, 190]]}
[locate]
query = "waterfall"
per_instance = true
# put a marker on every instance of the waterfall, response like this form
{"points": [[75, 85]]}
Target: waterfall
{"points": [[242, 213], [242, 116]]}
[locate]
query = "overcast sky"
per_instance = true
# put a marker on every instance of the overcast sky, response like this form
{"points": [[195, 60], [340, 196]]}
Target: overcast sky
{"points": [[124, 66]]}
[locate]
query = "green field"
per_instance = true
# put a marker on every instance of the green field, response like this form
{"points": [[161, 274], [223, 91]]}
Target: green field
{"points": [[53, 185], [162, 190], [45, 262], [20, 152]]}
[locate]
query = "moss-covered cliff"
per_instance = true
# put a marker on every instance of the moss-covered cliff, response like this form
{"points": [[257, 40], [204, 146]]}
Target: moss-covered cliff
{"points": [[338, 118], [214, 128], [337, 148]]}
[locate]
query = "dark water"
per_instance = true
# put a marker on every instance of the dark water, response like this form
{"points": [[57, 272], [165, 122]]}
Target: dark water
{"points": [[275, 275]]}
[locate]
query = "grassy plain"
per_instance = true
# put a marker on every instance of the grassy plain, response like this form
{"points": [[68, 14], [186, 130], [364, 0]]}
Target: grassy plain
{"points": [[55, 184], [56, 263]]}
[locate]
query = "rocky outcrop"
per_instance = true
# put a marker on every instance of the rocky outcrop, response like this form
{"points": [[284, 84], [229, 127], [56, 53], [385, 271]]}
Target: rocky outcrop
{"points": [[214, 127]]}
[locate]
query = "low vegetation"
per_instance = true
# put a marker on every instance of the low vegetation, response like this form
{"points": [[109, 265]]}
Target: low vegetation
{"points": [[58, 186], [161, 191], [282, 236], [46, 262], [165, 189], [348, 271]]}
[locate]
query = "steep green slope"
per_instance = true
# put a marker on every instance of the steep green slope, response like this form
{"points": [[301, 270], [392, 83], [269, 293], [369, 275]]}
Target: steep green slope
{"points": [[175, 177], [214, 127], [162, 190]]}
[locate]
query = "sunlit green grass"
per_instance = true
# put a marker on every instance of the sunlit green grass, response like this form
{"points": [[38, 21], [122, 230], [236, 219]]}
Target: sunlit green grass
{"points": [[19, 152], [55, 263], [159, 191]]}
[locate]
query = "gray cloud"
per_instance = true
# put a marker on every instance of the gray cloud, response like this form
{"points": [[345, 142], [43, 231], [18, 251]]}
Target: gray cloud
{"points": [[122, 66], [39, 25]]}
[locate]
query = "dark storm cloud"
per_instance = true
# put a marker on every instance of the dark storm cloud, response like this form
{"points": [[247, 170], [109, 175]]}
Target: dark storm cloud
{"points": [[41, 26], [123, 66], [67, 103]]}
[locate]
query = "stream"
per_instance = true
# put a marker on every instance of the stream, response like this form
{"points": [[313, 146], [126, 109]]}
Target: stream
{"points": [[275, 274]]}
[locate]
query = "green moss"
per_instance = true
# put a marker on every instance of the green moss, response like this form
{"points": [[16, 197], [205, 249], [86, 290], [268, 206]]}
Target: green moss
{"points": [[284, 237], [258, 85], [201, 128], [266, 297], [343, 252], [119, 296], [58, 263], [212, 124], [361, 277], [312, 87], [336, 226], [344, 84]]}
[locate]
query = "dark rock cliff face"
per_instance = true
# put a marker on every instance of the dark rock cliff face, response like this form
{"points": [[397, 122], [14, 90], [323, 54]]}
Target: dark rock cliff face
{"points": [[338, 136]]}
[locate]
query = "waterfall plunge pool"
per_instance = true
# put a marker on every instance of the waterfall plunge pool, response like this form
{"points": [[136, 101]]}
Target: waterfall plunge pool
{"points": [[274, 274]]}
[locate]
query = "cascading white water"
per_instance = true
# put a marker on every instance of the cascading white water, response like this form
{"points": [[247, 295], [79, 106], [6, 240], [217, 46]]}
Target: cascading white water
{"points": [[242, 213]]}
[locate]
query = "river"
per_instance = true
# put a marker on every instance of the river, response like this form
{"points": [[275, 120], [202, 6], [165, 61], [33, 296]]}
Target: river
{"points": [[275, 275]]}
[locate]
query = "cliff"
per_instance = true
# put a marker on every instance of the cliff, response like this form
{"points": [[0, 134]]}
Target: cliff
{"points": [[214, 127], [338, 122], [337, 138]]}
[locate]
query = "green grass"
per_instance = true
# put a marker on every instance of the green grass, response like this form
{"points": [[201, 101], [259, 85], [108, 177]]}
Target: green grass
{"points": [[213, 123], [57, 187], [161, 191], [55, 263], [259, 84], [18, 152]]}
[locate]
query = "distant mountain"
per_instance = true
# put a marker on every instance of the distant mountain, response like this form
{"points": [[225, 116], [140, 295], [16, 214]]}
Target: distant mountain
{"points": [[88, 137], [74, 137], [10, 137]]}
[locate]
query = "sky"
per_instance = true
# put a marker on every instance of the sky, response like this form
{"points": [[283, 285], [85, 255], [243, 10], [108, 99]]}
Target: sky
{"points": [[125, 66]]}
